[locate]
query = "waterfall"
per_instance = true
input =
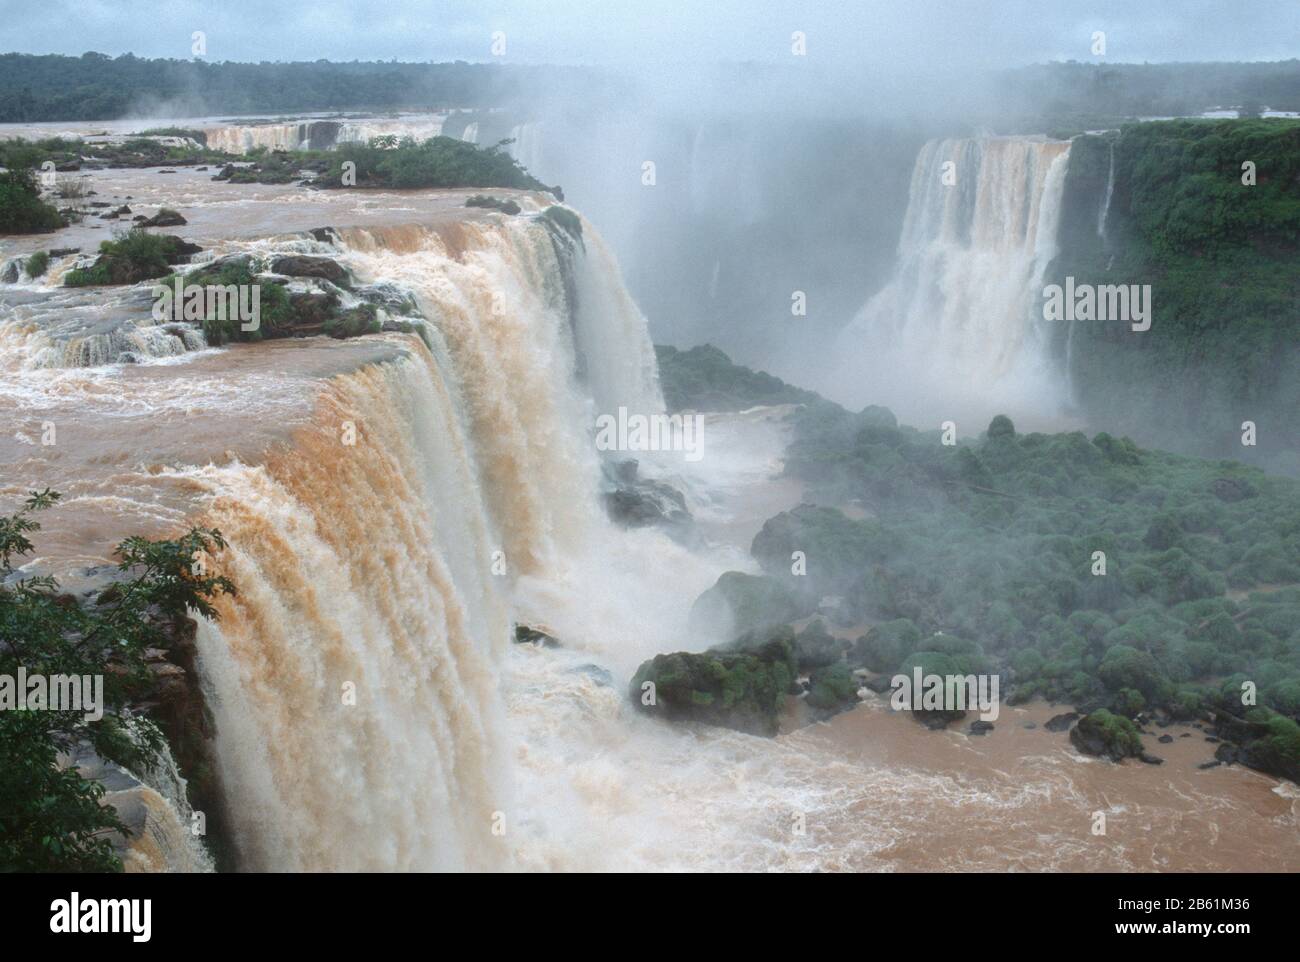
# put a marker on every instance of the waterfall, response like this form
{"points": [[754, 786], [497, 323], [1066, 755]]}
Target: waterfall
{"points": [[318, 134], [240, 139], [527, 146], [1110, 189], [352, 681], [956, 329], [355, 679]]}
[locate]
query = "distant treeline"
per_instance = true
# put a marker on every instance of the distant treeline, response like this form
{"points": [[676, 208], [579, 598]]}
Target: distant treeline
{"points": [[95, 86], [1075, 96]]}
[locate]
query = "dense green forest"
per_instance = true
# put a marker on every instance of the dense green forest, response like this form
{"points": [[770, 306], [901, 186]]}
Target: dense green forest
{"points": [[1222, 258], [982, 556]]}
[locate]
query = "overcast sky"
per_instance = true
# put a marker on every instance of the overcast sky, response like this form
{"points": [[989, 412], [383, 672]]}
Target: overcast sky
{"points": [[862, 33]]}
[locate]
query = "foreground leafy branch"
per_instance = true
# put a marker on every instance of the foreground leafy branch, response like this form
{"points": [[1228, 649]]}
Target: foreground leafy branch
{"points": [[51, 818]]}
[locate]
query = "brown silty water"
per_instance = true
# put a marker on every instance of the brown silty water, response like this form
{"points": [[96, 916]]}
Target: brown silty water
{"points": [[371, 564]]}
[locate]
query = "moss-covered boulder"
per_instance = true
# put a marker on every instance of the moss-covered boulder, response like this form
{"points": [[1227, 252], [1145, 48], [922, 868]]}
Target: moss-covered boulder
{"points": [[1104, 734], [1264, 740], [705, 379], [742, 690], [885, 645], [815, 647], [831, 690], [740, 602], [836, 551], [133, 257]]}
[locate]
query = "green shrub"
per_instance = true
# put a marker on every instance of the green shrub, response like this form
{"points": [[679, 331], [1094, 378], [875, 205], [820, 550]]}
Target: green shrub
{"points": [[436, 162], [37, 264], [52, 819], [21, 209], [134, 256]]}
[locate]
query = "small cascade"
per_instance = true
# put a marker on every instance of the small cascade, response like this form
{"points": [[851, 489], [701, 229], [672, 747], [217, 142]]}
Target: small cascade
{"points": [[1110, 189]]}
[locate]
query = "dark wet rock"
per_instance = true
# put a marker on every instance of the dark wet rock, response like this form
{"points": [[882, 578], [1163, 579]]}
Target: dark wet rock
{"points": [[880, 684], [393, 299], [1213, 764], [166, 217], [494, 203], [180, 251], [1263, 740], [980, 727], [1211, 738], [524, 635], [637, 502], [937, 721], [326, 235], [1104, 734], [1227, 753], [1060, 723], [1148, 759], [1165, 739], [64, 251], [301, 265], [10, 273]]}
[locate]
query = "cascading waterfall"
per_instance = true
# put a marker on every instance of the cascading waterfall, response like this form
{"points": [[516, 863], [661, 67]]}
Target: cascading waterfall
{"points": [[355, 679], [242, 139], [956, 327], [527, 146], [318, 134]]}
